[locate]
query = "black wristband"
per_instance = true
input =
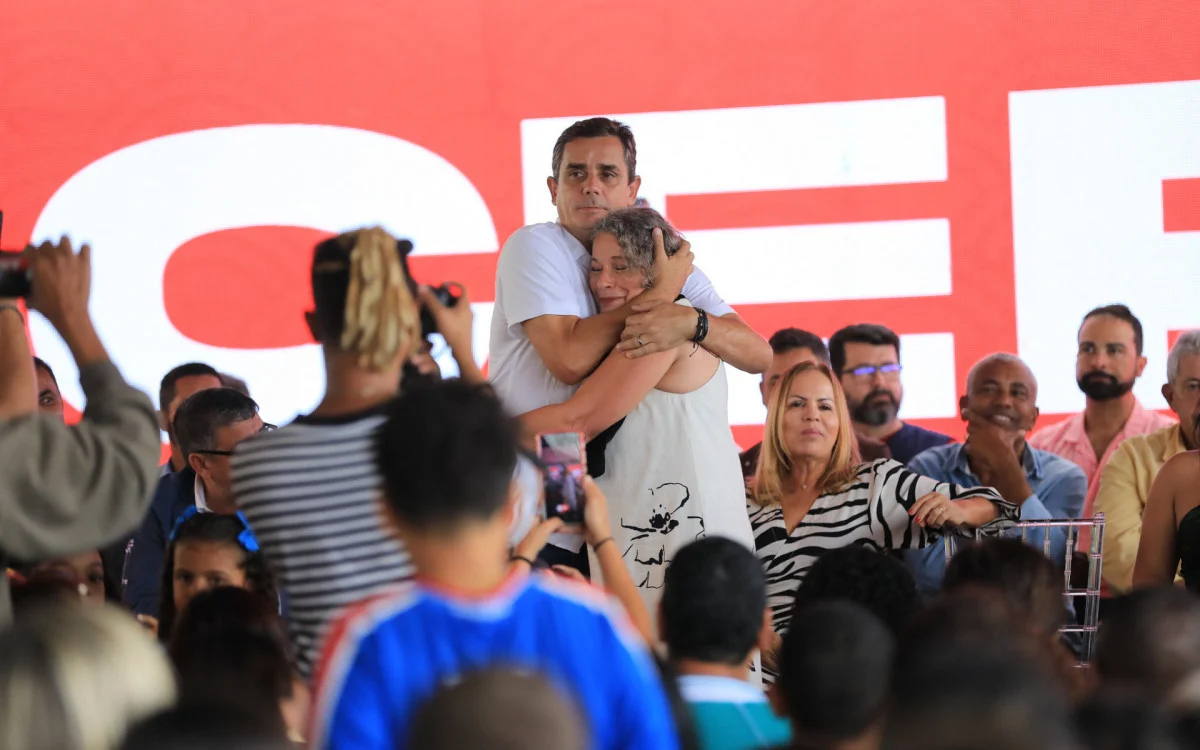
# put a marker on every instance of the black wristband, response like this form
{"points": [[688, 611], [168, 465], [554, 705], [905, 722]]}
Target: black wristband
{"points": [[601, 543], [701, 326], [526, 560]]}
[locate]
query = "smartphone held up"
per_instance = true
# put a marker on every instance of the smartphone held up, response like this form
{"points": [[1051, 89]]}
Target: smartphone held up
{"points": [[564, 465]]}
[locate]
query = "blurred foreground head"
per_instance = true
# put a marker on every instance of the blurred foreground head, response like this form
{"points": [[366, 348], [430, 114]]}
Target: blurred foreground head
{"points": [[970, 675], [76, 678], [499, 709]]}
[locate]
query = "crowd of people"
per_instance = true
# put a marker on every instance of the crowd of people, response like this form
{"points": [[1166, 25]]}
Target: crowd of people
{"points": [[383, 572]]}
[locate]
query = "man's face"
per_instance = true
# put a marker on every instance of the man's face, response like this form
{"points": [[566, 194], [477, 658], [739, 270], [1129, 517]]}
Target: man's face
{"points": [[591, 181], [185, 387], [1107, 363], [49, 400], [1183, 395], [873, 395], [780, 365], [213, 465], [1005, 394]]}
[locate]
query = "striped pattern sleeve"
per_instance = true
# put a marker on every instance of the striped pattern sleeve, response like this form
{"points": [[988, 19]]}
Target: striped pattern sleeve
{"points": [[894, 490]]}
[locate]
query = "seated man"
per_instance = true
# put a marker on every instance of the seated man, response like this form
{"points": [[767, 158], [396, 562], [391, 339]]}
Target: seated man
{"points": [[447, 454], [1000, 408], [790, 347], [1126, 478], [866, 359], [713, 617], [208, 425]]}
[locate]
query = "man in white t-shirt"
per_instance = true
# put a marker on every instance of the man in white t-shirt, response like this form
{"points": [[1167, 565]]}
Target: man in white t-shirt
{"points": [[546, 336]]}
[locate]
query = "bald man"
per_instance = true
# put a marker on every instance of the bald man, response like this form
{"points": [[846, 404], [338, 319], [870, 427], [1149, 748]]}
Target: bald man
{"points": [[1000, 408]]}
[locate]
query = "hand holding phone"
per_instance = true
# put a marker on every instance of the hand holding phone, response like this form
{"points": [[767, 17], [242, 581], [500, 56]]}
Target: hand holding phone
{"points": [[564, 465]]}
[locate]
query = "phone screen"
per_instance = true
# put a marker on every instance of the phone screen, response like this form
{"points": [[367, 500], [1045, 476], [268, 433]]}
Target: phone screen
{"points": [[564, 466]]}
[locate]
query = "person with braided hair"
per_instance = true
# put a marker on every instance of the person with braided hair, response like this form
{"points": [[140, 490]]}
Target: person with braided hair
{"points": [[310, 489]]}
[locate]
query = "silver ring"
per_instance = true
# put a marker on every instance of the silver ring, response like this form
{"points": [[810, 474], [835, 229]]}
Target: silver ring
{"points": [[639, 340]]}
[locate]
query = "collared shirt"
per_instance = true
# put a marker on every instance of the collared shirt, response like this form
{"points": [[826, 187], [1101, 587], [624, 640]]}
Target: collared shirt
{"points": [[1059, 490], [1069, 439], [1124, 485], [910, 440], [201, 503], [732, 714]]}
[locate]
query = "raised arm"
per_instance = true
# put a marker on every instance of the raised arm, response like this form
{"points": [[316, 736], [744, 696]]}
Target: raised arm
{"points": [[661, 327], [18, 384], [1158, 555], [82, 486], [614, 390], [667, 326]]}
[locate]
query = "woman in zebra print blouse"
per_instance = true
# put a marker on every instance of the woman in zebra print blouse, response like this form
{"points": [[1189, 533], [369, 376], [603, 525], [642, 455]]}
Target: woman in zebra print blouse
{"points": [[812, 493]]}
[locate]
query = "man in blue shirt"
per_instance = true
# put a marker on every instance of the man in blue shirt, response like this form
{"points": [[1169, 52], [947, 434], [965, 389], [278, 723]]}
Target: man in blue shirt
{"points": [[866, 359], [713, 617], [446, 455], [1000, 408]]}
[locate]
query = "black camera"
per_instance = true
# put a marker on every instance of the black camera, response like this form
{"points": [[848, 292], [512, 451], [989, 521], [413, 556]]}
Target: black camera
{"points": [[15, 276], [448, 293]]}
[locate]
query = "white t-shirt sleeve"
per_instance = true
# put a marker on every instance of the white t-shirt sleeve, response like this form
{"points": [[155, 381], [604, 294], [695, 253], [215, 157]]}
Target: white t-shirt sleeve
{"points": [[700, 292], [537, 279]]}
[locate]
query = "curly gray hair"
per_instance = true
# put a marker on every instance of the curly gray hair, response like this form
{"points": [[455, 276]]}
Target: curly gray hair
{"points": [[632, 228]]}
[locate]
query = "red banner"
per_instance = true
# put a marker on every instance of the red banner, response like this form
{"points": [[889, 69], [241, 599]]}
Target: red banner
{"points": [[975, 175]]}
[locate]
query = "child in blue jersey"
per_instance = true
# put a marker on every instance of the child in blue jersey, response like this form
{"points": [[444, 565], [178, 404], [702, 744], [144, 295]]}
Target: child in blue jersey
{"points": [[447, 456]]}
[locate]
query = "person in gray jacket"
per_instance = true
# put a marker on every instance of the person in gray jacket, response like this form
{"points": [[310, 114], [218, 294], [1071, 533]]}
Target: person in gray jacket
{"points": [[63, 488]]}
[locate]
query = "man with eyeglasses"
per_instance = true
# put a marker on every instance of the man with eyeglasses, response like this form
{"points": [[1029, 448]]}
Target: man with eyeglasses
{"points": [[866, 359], [208, 425]]}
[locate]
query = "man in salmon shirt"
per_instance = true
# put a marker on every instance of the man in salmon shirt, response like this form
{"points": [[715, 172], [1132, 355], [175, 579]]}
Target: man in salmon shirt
{"points": [[1108, 362]]}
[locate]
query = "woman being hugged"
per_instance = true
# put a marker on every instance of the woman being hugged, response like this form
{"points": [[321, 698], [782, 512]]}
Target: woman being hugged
{"points": [[670, 471]]}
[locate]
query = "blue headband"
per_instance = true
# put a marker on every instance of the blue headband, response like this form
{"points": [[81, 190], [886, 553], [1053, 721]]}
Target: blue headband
{"points": [[246, 538]]}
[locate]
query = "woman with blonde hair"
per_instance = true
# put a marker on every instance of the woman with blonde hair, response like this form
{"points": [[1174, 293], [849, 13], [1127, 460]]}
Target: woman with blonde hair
{"points": [[76, 678], [812, 493]]}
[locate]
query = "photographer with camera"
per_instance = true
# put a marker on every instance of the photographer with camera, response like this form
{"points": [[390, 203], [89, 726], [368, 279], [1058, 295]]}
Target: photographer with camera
{"points": [[311, 490], [64, 489]]}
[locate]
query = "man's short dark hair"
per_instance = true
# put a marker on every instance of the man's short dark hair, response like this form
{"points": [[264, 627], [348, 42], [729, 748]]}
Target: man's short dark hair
{"points": [[859, 333], [204, 412], [597, 127], [166, 390], [789, 339], [1120, 312], [40, 364], [865, 576], [834, 671], [713, 600], [447, 454]]}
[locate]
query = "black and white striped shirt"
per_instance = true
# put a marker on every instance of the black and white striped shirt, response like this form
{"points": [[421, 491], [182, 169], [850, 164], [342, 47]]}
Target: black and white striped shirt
{"points": [[312, 495], [872, 511]]}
